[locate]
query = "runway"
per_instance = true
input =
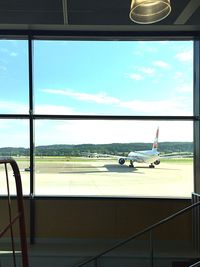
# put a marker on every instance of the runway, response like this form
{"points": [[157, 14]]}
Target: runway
{"points": [[106, 178]]}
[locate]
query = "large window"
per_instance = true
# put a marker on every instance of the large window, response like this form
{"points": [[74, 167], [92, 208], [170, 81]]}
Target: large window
{"points": [[81, 158], [113, 77], [14, 142], [14, 77], [93, 103]]}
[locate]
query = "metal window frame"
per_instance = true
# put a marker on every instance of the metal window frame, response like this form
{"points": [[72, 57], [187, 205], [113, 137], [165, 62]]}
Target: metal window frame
{"points": [[30, 36]]}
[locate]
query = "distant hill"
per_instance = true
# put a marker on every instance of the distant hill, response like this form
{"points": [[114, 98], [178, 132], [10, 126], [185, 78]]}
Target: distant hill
{"points": [[115, 149]]}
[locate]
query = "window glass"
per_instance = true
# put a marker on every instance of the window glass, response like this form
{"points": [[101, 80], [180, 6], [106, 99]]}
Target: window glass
{"points": [[14, 142], [82, 158], [14, 77], [113, 77]]}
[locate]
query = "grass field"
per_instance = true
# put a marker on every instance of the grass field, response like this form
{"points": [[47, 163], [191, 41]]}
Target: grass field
{"points": [[78, 176]]}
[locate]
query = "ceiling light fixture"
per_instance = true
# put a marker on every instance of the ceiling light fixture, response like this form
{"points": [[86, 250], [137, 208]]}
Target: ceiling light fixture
{"points": [[149, 11]]}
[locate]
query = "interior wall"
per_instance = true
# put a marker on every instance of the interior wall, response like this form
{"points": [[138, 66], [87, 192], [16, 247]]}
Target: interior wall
{"points": [[108, 218], [103, 218]]}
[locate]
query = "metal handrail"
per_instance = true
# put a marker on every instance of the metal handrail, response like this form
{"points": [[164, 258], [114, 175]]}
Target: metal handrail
{"points": [[132, 237], [197, 264], [20, 215]]}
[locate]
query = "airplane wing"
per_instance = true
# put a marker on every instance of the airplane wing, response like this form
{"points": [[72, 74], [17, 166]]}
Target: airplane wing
{"points": [[176, 155]]}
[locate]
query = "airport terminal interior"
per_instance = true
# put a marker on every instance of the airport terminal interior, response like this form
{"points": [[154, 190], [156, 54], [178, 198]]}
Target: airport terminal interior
{"points": [[99, 133]]}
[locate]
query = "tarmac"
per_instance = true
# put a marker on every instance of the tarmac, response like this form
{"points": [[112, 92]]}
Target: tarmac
{"points": [[106, 178]]}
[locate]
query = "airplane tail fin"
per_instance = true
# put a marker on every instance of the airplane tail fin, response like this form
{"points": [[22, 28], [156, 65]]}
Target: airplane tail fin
{"points": [[155, 143]]}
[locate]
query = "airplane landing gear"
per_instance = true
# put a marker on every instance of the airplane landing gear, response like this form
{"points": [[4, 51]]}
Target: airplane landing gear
{"points": [[131, 164], [151, 165]]}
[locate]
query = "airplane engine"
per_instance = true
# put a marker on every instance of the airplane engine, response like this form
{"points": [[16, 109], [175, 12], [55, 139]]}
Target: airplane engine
{"points": [[157, 162], [121, 161]]}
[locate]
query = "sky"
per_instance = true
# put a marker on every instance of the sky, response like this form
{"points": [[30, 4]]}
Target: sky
{"points": [[97, 78]]}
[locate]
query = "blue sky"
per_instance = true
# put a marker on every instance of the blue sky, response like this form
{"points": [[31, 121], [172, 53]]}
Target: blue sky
{"points": [[90, 77], [129, 78]]}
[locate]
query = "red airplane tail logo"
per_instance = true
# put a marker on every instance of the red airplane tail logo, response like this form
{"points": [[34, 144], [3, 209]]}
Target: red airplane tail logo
{"points": [[155, 144]]}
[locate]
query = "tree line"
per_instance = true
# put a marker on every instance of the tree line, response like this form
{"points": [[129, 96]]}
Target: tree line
{"points": [[112, 149]]}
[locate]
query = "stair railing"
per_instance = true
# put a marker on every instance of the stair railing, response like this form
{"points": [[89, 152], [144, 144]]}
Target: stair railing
{"points": [[196, 223], [20, 214], [196, 264], [132, 237]]}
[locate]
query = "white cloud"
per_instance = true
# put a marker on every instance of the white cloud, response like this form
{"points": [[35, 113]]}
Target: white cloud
{"points": [[185, 88], [14, 133], [142, 73], [100, 98], [147, 47], [68, 132], [136, 76], [159, 107], [13, 107], [175, 105], [13, 54], [53, 109], [161, 64], [6, 51], [3, 124], [146, 70], [185, 56], [178, 75]]}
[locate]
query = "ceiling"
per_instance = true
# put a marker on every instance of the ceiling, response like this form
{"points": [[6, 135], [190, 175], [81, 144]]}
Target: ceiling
{"points": [[96, 15]]}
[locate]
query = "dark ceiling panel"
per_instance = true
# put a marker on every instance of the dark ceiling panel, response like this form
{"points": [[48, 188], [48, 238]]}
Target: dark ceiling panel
{"points": [[31, 12], [177, 7], [195, 18], [30, 18], [96, 4], [93, 12], [27, 5], [99, 17], [112, 12]]}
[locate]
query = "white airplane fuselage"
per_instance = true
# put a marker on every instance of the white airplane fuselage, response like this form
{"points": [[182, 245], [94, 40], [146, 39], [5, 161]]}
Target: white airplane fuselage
{"points": [[146, 156]]}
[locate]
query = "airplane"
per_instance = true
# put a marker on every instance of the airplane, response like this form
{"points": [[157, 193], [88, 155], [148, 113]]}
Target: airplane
{"points": [[146, 156]]}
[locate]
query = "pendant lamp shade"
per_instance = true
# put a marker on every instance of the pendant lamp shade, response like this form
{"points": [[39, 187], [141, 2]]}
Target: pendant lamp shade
{"points": [[149, 11]]}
